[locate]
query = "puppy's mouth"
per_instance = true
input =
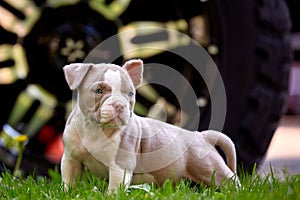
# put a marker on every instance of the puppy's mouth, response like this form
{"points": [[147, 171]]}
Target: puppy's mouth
{"points": [[112, 119], [116, 123]]}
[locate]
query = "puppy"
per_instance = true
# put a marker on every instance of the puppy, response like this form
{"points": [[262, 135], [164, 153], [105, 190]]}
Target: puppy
{"points": [[104, 135]]}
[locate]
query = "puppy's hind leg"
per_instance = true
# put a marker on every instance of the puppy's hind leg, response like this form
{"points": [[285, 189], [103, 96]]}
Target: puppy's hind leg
{"points": [[224, 175], [211, 167], [216, 138]]}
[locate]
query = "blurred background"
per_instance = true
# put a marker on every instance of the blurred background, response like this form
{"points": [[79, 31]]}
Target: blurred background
{"points": [[254, 43]]}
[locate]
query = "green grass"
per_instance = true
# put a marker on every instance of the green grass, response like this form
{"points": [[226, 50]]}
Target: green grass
{"points": [[253, 187]]}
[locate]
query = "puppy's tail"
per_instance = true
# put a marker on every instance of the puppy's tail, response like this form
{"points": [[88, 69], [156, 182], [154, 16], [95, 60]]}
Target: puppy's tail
{"points": [[216, 138]]}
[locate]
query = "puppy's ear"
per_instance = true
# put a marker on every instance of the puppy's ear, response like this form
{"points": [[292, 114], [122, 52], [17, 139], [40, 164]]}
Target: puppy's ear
{"points": [[135, 70], [75, 72]]}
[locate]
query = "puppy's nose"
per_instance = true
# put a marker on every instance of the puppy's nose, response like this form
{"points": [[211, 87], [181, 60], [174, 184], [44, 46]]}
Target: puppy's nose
{"points": [[119, 107]]}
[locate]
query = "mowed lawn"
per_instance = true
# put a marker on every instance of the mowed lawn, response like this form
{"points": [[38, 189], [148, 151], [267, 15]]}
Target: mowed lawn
{"points": [[91, 187]]}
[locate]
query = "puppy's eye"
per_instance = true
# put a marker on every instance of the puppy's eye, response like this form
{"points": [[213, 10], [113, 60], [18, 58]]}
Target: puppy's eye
{"points": [[98, 91], [130, 94]]}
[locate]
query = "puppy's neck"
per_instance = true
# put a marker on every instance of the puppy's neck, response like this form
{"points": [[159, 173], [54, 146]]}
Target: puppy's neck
{"points": [[110, 132]]}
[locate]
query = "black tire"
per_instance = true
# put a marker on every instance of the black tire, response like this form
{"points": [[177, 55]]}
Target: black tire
{"points": [[254, 62]]}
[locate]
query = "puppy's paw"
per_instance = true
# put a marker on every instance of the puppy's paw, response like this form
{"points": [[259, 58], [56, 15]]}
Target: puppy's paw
{"points": [[111, 191], [66, 186]]}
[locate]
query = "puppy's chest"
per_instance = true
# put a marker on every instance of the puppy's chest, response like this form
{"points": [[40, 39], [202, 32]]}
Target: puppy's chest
{"points": [[95, 166], [100, 152], [93, 161]]}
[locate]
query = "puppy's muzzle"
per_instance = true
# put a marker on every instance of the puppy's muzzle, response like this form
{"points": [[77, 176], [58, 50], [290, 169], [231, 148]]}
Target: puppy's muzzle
{"points": [[114, 112]]}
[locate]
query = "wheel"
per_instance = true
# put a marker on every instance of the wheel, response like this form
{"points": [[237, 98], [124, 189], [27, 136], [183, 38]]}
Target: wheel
{"points": [[248, 41], [255, 63]]}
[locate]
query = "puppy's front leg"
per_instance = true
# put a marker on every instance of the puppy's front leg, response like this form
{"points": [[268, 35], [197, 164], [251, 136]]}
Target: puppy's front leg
{"points": [[71, 171], [117, 177]]}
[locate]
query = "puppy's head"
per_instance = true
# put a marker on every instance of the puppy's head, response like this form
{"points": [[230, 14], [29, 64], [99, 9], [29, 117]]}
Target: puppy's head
{"points": [[106, 92]]}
